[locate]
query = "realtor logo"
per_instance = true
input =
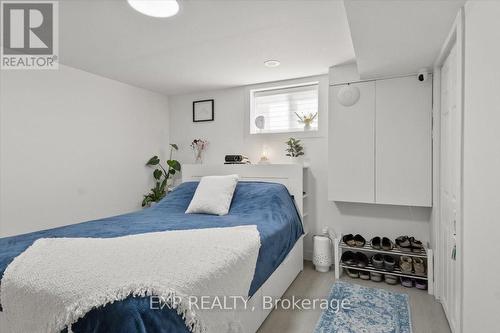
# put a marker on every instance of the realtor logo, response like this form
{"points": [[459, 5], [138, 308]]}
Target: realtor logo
{"points": [[29, 35]]}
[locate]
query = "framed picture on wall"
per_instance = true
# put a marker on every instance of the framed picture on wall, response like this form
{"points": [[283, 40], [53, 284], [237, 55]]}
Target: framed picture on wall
{"points": [[203, 110]]}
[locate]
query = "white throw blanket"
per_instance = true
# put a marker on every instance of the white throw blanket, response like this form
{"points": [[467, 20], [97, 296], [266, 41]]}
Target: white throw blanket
{"points": [[56, 281]]}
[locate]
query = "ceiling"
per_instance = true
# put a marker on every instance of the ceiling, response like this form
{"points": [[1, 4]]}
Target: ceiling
{"points": [[208, 45], [398, 37]]}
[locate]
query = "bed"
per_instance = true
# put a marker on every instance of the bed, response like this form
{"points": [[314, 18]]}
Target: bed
{"points": [[263, 198]]}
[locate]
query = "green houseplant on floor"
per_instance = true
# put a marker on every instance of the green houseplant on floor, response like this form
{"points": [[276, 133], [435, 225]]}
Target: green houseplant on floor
{"points": [[161, 175]]}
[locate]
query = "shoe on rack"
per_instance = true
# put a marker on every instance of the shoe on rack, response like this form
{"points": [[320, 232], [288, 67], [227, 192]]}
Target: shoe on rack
{"points": [[403, 243], [419, 266], [389, 263], [362, 260], [349, 240], [352, 273], [391, 279], [349, 258], [416, 245], [377, 277], [421, 284], [387, 244], [364, 275], [378, 261], [376, 243], [406, 282], [359, 240], [406, 264]]}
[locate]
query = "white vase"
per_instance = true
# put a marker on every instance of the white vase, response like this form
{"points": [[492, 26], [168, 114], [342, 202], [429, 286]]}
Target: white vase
{"points": [[297, 160], [198, 159], [307, 126], [322, 253]]}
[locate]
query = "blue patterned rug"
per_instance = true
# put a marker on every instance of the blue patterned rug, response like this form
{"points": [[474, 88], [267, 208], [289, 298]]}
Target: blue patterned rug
{"points": [[370, 310]]}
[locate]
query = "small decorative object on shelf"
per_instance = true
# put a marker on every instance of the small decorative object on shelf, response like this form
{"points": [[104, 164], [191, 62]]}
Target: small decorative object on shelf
{"points": [[198, 146], [307, 120], [236, 159], [260, 123], [322, 252], [294, 148], [162, 177], [264, 157]]}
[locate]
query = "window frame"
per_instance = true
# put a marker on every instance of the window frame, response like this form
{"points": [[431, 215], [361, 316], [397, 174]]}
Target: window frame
{"points": [[277, 86]]}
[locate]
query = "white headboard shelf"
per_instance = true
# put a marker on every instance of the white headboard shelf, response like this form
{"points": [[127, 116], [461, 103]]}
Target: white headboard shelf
{"points": [[289, 175]]}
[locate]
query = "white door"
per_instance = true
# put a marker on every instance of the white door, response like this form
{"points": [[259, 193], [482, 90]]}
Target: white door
{"points": [[450, 186]]}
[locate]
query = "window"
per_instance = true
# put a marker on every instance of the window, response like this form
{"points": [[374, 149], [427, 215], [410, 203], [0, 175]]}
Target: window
{"points": [[277, 110]]}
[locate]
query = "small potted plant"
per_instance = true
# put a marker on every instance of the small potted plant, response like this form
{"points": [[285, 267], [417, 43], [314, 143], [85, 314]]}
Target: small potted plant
{"points": [[198, 146], [294, 149], [162, 176], [307, 119]]}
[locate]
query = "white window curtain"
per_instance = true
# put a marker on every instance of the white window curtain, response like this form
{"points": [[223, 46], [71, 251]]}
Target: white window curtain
{"points": [[280, 107]]}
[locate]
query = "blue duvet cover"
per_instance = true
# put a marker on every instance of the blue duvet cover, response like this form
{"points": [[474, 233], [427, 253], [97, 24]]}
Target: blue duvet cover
{"points": [[267, 205]]}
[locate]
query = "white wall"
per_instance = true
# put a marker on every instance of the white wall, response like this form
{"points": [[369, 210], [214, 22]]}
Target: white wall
{"points": [[229, 134], [73, 147], [481, 179]]}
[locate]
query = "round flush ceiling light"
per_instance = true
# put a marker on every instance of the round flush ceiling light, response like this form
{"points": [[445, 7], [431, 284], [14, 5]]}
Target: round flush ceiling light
{"points": [[348, 95], [272, 63], [155, 8]]}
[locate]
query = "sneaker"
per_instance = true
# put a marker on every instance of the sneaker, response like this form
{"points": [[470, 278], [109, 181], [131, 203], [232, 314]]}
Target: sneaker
{"points": [[378, 261], [419, 266], [391, 279], [406, 264], [364, 275], [421, 284], [389, 263], [416, 245], [353, 273], [377, 277], [403, 243], [406, 282]]}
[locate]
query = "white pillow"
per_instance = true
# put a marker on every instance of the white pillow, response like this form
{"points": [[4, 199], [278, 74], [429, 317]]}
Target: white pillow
{"points": [[213, 195]]}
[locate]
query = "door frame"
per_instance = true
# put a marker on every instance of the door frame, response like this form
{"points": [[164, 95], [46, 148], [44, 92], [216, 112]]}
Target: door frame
{"points": [[455, 37]]}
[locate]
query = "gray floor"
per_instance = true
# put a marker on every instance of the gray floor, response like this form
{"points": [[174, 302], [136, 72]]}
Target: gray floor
{"points": [[427, 314]]}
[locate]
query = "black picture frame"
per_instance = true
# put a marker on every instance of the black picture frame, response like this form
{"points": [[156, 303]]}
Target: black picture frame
{"points": [[197, 119]]}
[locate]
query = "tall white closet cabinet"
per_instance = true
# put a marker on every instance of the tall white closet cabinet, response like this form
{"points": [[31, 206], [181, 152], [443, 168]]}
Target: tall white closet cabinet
{"points": [[380, 148]]}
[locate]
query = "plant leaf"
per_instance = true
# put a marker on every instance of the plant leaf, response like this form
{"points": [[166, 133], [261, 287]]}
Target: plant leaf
{"points": [[157, 174], [174, 164], [153, 161], [173, 145]]}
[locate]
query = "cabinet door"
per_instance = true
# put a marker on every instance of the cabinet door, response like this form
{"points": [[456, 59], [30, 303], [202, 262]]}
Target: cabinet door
{"points": [[403, 142], [351, 146]]}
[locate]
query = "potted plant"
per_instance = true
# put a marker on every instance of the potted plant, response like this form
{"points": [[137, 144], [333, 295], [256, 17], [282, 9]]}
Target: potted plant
{"points": [[307, 120], [294, 149], [161, 176]]}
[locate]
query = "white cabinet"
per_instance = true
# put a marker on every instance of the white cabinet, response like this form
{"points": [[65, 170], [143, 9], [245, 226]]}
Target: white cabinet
{"points": [[380, 147], [351, 146], [403, 145]]}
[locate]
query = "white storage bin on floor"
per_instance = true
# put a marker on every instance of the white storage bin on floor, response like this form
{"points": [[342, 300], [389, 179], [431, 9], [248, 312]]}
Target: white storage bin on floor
{"points": [[322, 254]]}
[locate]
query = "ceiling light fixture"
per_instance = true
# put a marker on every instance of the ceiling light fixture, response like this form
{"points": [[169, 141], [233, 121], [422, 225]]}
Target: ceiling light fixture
{"points": [[272, 63], [155, 8], [348, 95]]}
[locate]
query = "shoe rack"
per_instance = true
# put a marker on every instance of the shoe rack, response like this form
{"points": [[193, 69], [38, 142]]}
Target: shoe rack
{"points": [[426, 254]]}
